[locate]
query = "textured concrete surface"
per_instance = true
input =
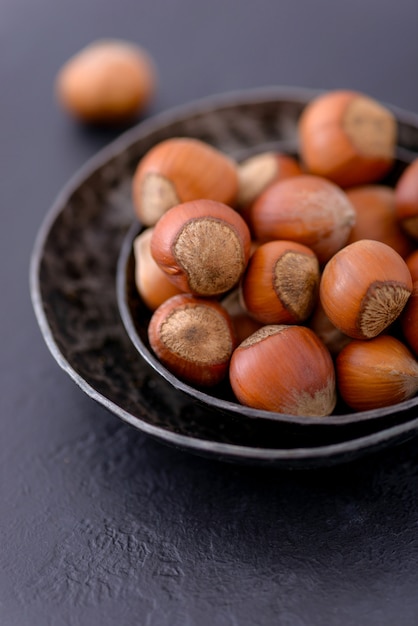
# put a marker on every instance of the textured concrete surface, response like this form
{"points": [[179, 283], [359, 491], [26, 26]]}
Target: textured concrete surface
{"points": [[99, 523]]}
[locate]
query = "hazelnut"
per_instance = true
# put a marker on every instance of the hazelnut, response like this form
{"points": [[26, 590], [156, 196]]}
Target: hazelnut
{"points": [[203, 246], [376, 373], [307, 209], [347, 137], [285, 369], [109, 81], [151, 282], [330, 335], [194, 338], [256, 173], [406, 199], [280, 284], [412, 263], [409, 320], [376, 219], [244, 324], [179, 170], [364, 288]]}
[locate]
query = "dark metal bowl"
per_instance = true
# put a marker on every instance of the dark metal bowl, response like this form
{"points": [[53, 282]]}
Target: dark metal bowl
{"points": [[73, 269], [135, 316]]}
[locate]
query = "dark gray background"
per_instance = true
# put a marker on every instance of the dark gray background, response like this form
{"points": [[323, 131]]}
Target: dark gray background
{"points": [[99, 525]]}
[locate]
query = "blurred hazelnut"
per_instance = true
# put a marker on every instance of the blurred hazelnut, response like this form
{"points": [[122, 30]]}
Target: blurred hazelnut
{"points": [[376, 219], [412, 263], [244, 324], [409, 320], [406, 199], [109, 81]]}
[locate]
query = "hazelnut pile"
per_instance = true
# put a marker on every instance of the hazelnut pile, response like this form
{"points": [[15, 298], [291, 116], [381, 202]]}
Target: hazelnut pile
{"points": [[296, 278]]}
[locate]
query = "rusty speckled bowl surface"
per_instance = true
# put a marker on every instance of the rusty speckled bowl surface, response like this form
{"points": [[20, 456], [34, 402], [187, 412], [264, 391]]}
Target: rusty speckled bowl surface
{"points": [[94, 323]]}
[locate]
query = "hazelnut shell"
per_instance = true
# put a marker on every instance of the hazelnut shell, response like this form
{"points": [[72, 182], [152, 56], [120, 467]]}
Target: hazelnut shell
{"points": [[364, 288], [203, 247], [179, 170], [347, 137]]}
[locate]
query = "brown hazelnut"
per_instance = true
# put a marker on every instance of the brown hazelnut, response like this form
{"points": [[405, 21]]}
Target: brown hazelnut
{"points": [[194, 338], [285, 369], [179, 170], [376, 219], [406, 199], [412, 263], [307, 209], [330, 335], [203, 246], [376, 373], [409, 320], [109, 81], [280, 284], [364, 288], [244, 324], [151, 282]]}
